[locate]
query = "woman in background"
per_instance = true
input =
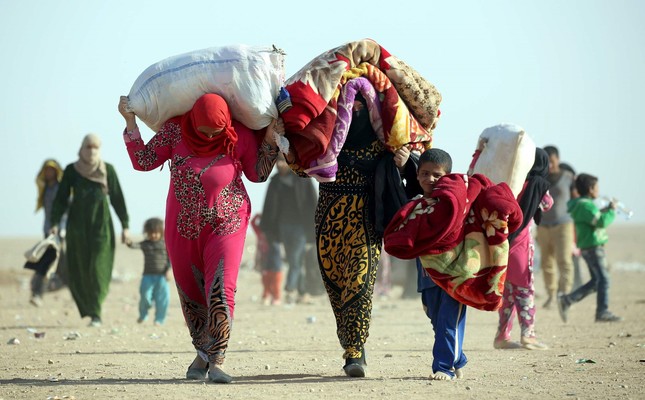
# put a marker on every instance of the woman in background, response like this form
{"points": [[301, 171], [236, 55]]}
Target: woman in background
{"points": [[85, 193]]}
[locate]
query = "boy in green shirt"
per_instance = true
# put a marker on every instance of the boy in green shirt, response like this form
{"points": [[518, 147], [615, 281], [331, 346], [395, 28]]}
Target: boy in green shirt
{"points": [[591, 235]]}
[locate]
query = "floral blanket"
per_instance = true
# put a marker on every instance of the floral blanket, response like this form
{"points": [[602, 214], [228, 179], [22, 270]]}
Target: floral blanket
{"points": [[409, 103], [460, 236]]}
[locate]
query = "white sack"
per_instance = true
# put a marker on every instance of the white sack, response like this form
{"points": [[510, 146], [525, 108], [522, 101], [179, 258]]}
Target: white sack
{"points": [[35, 253], [507, 155], [247, 77]]}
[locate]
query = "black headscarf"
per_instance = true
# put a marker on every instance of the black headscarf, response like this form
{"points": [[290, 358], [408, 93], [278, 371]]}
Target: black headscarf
{"points": [[360, 133], [536, 187]]}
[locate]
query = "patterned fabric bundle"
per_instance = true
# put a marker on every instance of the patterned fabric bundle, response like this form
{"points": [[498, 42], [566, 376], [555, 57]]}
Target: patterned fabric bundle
{"points": [[409, 104], [460, 236]]}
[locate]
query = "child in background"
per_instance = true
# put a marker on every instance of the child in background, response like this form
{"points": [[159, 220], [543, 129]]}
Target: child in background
{"points": [[47, 180], [448, 316], [271, 277], [154, 284], [591, 236]]}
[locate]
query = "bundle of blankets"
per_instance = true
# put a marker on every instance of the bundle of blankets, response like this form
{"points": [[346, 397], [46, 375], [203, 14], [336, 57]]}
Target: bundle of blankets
{"points": [[460, 235], [316, 104]]}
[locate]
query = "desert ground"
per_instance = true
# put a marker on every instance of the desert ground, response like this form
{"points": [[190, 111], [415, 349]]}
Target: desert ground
{"points": [[291, 351]]}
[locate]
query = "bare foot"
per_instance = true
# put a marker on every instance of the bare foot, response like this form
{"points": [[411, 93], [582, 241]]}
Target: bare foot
{"points": [[440, 376], [459, 373]]}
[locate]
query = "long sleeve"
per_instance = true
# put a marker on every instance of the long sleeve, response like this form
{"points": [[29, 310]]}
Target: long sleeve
{"points": [[116, 197], [606, 218], [591, 215], [255, 154], [146, 157]]}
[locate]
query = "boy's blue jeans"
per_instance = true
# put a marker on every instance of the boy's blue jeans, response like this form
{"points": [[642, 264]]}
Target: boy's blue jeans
{"points": [[448, 318], [599, 282], [154, 289]]}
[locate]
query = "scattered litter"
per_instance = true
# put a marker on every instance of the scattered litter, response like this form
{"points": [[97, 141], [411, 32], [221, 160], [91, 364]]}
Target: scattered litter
{"points": [[388, 356], [72, 336], [311, 319], [585, 361], [39, 335], [53, 379], [13, 340]]}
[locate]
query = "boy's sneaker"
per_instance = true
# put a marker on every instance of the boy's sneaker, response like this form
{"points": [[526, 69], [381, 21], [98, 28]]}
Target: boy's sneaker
{"points": [[608, 316], [563, 307]]}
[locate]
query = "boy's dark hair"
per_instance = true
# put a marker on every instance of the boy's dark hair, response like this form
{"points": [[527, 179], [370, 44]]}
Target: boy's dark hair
{"points": [[552, 150], [437, 156], [584, 183], [153, 225]]}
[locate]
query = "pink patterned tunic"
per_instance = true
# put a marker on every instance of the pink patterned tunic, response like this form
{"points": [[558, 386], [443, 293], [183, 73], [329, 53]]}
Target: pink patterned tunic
{"points": [[207, 214]]}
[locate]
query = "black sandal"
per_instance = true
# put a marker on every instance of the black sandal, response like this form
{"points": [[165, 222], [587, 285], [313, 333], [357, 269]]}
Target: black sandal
{"points": [[355, 367]]}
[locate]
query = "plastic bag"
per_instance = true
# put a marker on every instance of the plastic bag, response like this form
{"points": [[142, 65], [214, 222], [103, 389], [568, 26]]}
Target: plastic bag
{"points": [[249, 78]]}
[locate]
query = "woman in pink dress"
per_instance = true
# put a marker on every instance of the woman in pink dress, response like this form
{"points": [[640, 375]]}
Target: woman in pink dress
{"points": [[207, 213], [518, 297]]}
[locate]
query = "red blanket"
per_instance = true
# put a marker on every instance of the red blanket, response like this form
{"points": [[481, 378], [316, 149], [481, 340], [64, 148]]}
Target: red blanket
{"points": [[460, 236]]}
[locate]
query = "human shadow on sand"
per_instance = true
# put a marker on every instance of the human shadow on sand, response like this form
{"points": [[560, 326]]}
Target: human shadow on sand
{"points": [[240, 380]]}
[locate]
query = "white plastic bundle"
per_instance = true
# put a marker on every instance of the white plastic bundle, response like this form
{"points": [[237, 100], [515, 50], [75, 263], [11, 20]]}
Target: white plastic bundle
{"points": [[247, 77], [506, 154]]}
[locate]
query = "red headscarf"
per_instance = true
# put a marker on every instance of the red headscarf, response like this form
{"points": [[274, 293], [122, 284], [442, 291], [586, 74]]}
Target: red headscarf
{"points": [[211, 111]]}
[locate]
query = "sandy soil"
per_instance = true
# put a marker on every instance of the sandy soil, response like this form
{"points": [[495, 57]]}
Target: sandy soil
{"points": [[293, 352]]}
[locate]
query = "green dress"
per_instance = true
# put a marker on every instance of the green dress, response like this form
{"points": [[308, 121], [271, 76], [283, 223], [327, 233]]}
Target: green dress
{"points": [[90, 235]]}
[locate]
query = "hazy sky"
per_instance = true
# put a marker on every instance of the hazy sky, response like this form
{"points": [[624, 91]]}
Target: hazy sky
{"points": [[572, 73]]}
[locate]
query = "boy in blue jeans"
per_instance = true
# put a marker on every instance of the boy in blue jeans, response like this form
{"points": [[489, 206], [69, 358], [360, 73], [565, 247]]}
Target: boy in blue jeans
{"points": [[591, 236], [154, 284], [448, 316]]}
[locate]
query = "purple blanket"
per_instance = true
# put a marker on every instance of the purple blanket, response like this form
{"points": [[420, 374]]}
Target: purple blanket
{"points": [[324, 168]]}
